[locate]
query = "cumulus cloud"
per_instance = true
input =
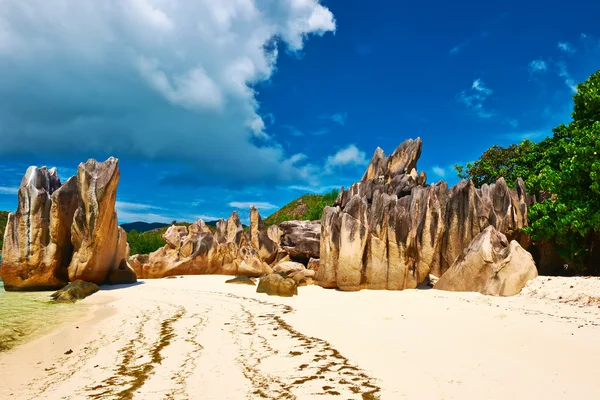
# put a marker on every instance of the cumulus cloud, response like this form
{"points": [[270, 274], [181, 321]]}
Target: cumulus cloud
{"points": [[350, 155], [475, 97], [537, 66], [150, 79]]}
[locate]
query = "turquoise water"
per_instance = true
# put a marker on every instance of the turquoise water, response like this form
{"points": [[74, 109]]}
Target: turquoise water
{"points": [[27, 315]]}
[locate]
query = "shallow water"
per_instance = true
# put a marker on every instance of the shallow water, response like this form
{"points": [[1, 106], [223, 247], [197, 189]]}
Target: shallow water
{"points": [[27, 315]]}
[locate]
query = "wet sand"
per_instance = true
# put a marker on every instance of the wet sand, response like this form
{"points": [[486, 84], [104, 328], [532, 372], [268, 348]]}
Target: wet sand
{"points": [[199, 338]]}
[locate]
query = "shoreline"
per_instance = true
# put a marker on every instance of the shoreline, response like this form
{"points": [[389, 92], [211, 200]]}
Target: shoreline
{"points": [[197, 337]]}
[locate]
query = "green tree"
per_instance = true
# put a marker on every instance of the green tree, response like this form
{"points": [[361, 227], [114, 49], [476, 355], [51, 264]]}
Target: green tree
{"points": [[565, 167], [146, 242]]}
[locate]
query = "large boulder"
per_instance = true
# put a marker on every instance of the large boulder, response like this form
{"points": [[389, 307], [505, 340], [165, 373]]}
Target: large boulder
{"points": [[490, 265], [251, 263], [277, 285], [392, 231], [301, 239], [74, 291], [99, 244], [37, 242], [288, 267]]}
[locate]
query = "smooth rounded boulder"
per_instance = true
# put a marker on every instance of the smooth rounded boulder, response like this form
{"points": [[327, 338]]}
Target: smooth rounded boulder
{"points": [[490, 265]]}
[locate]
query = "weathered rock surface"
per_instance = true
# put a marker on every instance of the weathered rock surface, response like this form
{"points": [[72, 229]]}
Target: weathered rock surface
{"points": [[259, 237], [66, 232], [99, 244], [194, 250], [301, 239], [74, 291], [251, 263], [391, 230], [313, 264], [37, 245], [490, 265], [289, 267], [242, 280], [277, 285]]}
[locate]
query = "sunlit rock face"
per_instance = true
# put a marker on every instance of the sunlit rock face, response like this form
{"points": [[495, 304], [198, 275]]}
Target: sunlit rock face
{"points": [[490, 265], [391, 230], [62, 233], [37, 243], [195, 250], [301, 239], [99, 243]]}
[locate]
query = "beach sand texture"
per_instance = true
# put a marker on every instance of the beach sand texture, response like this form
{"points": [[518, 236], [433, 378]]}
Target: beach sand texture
{"points": [[198, 338]]}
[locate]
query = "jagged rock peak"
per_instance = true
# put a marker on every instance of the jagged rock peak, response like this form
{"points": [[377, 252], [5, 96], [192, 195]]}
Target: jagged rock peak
{"points": [[41, 179]]}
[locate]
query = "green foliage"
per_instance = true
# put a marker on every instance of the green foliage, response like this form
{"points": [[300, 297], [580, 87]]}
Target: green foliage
{"points": [[511, 162], [565, 169], [3, 221], [308, 207], [146, 242]]}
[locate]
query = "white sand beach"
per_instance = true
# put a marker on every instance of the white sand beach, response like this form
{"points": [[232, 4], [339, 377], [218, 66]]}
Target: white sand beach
{"points": [[198, 338]]}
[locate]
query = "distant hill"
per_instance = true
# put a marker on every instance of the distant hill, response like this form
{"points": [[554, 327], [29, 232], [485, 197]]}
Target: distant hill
{"points": [[308, 207], [142, 226]]}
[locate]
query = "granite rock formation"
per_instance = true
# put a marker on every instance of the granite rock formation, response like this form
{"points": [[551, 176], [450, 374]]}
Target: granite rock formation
{"points": [[391, 229], [301, 239], [490, 265], [66, 232], [194, 250], [37, 242], [99, 243]]}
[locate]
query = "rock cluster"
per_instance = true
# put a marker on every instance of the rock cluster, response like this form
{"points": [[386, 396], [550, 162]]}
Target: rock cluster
{"points": [[64, 232], [195, 250], [391, 230]]}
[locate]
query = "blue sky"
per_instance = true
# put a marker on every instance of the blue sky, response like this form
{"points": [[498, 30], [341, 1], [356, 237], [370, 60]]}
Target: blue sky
{"points": [[214, 106]]}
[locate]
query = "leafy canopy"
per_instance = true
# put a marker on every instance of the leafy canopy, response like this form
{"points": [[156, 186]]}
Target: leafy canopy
{"points": [[563, 170]]}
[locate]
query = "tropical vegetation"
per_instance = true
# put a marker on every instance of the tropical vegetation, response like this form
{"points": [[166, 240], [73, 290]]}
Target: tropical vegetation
{"points": [[563, 171]]}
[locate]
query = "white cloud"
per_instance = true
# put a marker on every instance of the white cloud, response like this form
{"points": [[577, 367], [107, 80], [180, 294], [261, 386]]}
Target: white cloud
{"points": [[9, 190], [566, 47], [350, 155], [537, 66], [439, 171], [339, 118], [310, 189], [123, 205], [125, 216], [531, 135], [154, 79], [513, 122], [475, 97], [261, 205], [564, 73]]}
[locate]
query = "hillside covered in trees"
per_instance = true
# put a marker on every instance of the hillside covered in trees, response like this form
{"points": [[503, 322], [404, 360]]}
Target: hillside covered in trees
{"points": [[308, 207]]}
